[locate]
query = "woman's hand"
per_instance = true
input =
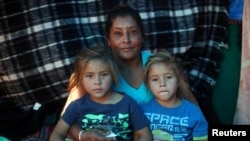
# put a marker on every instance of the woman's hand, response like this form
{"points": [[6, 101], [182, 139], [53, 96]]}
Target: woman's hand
{"points": [[96, 135], [90, 135]]}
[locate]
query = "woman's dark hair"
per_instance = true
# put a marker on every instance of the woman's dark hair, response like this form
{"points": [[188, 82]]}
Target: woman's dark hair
{"points": [[122, 11]]}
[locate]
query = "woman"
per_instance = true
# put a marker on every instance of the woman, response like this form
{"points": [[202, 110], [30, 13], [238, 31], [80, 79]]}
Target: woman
{"points": [[124, 34]]}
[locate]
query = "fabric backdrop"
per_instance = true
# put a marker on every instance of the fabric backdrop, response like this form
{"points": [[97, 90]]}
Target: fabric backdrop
{"points": [[39, 40]]}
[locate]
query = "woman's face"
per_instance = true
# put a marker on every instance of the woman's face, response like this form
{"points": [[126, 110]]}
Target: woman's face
{"points": [[125, 38]]}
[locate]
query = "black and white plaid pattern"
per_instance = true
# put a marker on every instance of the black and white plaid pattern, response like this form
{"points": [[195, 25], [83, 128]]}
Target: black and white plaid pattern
{"points": [[39, 40]]}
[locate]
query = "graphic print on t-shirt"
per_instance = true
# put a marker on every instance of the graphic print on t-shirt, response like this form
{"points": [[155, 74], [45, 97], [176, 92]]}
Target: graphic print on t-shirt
{"points": [[119, 124], [166, 127]]}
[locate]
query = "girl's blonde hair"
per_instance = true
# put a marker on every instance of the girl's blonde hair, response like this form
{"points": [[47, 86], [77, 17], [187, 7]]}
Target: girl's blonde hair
{"points": [[165, 57], [93, 53]]}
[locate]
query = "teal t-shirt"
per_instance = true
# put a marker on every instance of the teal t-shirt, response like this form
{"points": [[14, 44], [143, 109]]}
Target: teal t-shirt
{"points": [[141, 95]]}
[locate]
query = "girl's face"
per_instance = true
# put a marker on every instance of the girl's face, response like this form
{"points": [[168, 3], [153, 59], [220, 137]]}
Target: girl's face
{"points": [[163, 83], [97, 79], [125, 38]]}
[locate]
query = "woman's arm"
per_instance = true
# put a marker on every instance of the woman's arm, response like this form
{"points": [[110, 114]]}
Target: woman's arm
{"points": [[90, 135], [60, 131], [143, 135], [73, 95]]}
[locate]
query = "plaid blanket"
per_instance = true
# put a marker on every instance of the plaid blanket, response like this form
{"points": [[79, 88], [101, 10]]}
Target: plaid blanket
{"points": [[39, 40]]}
